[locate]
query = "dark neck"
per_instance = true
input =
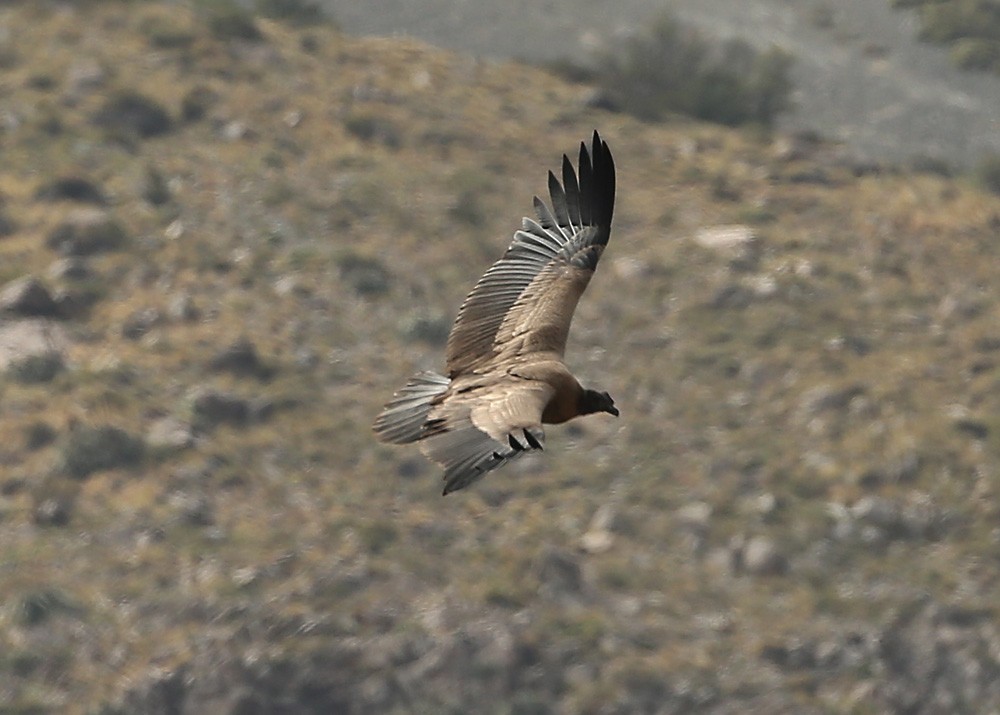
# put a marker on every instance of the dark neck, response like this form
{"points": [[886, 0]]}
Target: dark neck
{"points": [[590, 402]]}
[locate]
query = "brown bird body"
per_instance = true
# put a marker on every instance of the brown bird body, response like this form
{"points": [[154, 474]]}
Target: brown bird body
{"points": [[506, 375]]}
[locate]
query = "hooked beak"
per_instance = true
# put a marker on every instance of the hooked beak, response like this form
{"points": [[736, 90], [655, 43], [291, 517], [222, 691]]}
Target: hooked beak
{"points": [[613, 411]]}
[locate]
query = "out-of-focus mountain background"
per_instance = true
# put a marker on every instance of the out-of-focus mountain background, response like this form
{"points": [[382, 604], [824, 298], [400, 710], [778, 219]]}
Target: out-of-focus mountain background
{"points": [[227, 235], [862, 73]]}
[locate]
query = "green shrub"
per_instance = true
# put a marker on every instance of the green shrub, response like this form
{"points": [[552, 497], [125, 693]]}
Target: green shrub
{"points": [[164, 34], [976, 54], [673, 68], [35, 369], [944, 22], [373, 128], [227, 20], [970, 27], [36, 607], [131, 113], [296, 12], [987, 173], [90, 449], [368, 276]]}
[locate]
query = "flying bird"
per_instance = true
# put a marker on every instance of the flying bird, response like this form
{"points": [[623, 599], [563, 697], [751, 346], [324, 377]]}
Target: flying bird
{"points": [[506, 375]]}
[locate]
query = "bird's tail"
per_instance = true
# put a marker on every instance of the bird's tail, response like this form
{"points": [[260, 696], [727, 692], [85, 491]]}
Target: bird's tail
{"points": [[403, 418]]}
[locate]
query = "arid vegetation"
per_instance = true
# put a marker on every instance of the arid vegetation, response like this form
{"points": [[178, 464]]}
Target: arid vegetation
{"points": [[970, 28], [222, 245]]}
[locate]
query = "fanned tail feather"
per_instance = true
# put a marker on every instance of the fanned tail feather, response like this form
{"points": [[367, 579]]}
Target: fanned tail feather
{"points": [[402, 420]]}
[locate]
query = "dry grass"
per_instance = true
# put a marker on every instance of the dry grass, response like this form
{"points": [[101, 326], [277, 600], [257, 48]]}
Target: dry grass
{"points": [[332, 196]]}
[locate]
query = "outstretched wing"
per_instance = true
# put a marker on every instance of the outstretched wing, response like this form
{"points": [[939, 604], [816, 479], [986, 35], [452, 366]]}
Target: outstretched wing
{"points": [[474, 432], [525, 301]]}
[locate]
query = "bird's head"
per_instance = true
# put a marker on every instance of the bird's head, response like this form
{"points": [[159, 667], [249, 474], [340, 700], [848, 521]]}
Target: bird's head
{"points": [[594, 401]]}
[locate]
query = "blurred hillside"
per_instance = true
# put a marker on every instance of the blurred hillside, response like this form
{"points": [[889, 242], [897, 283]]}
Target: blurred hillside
{"points": [[224, 242], [862, 74]]}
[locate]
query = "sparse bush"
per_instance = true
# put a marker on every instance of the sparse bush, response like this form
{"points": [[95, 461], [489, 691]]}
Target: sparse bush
{"points": [[987, 173], [35, 369], [934, 165], [228, 21], [973, 53], [36, 607], [468, 208], [373, 128], [822, 16], [367, 275], [943, 22], [38, 435], [296, 12], [132, 113], [378, 535], [470, 186], [91, 449], [72, 188], [197, 102], [431, 329], [672, 68], [155, 189], [164, 34], [85, 232], [970, 27]]}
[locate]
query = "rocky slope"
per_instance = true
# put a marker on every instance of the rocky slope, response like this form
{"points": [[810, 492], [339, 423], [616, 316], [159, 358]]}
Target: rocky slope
{"points": [[226, 241]]}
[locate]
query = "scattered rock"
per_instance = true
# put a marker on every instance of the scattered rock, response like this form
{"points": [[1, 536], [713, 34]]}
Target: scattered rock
{"points": [[85, 74], [70, 268], [169, 433], [53, 511], [695, 515], [732, 296], [195, 509], [736, 241], [599, 537], [827, 397], [879, 519], [182, 307], [630, 268], [235, 130], [795, 147], [27, 296], [938, 659], [72, 188], [175, 230], [761, 557], [141, 322], [289, 284], [85, 232], [73, 303], [20, 339]]}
